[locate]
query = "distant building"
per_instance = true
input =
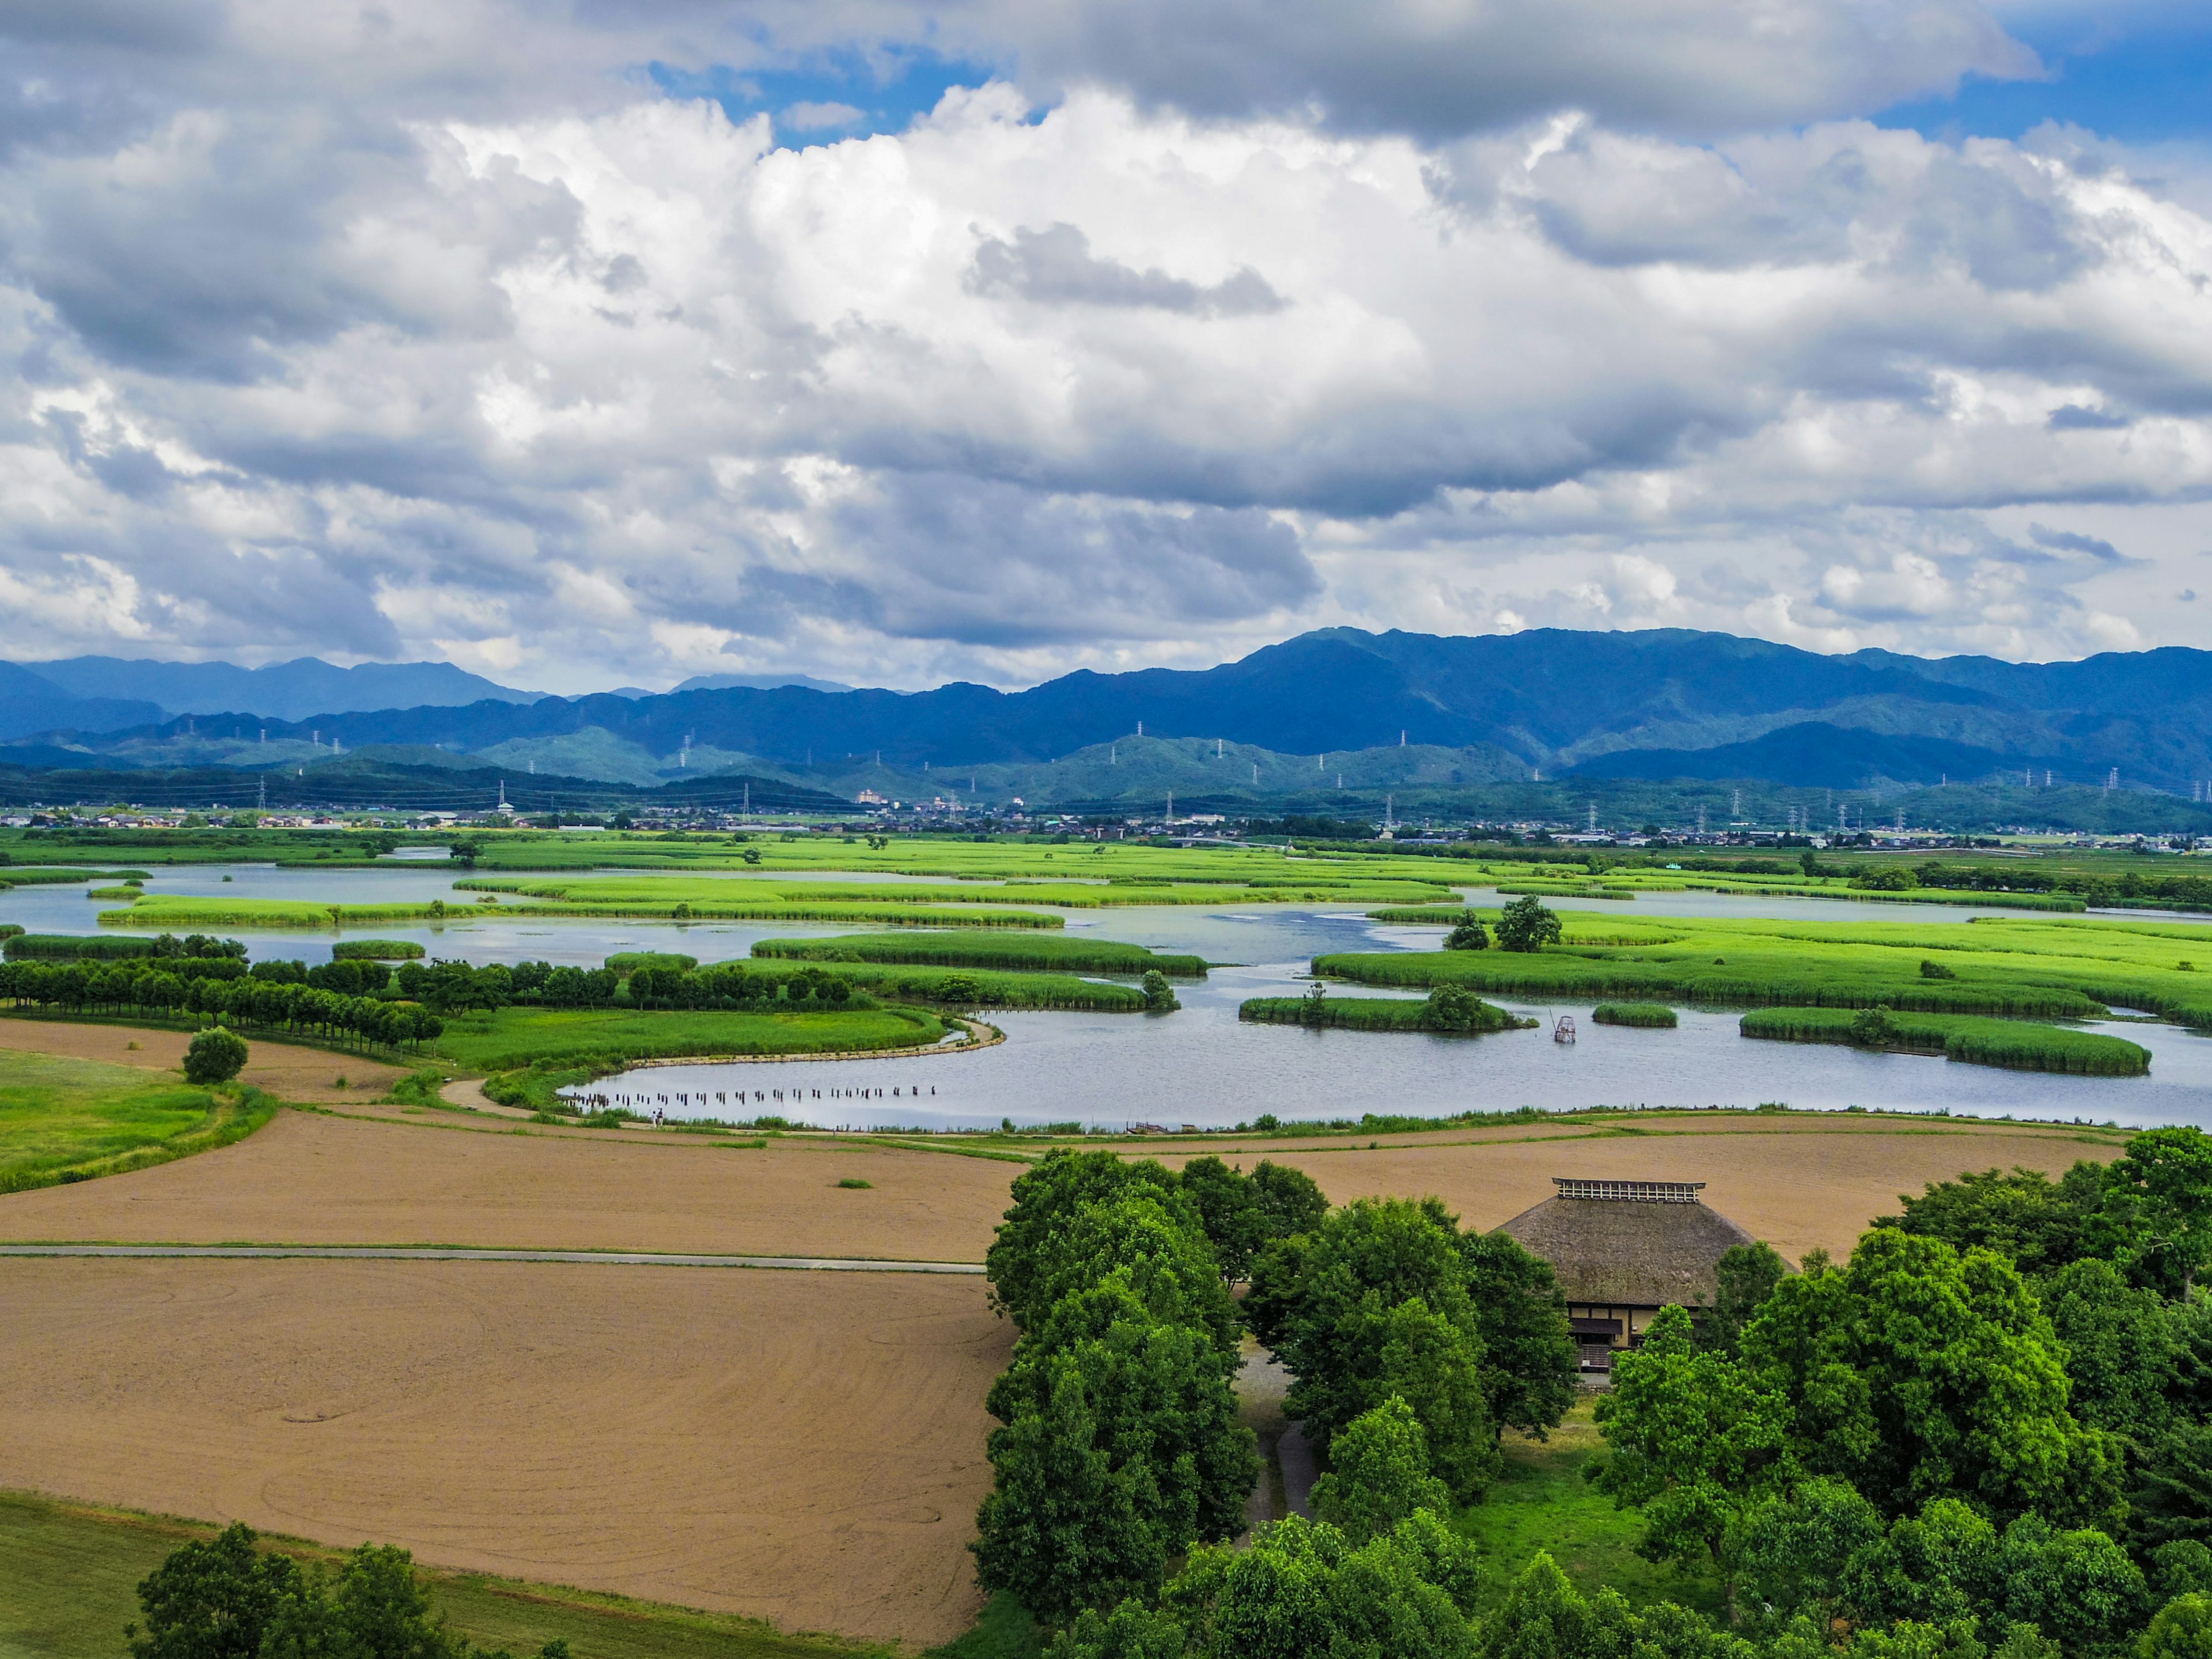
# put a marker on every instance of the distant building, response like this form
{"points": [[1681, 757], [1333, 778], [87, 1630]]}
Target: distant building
{"points": [[1622, 1250]]}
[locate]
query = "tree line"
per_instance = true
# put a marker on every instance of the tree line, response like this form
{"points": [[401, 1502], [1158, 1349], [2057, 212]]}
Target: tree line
{"points": [[288, 997]]}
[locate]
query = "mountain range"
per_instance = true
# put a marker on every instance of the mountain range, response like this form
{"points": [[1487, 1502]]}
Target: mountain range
{"points": [[1545, 705]]}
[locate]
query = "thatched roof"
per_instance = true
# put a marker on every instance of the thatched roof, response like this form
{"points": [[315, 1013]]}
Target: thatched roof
{"points": [[1629, 1252]]}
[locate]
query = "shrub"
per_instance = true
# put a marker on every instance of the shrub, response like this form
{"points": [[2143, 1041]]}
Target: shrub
{"points": [[1159, 996], [1468, 935], [376, 950], [215, 1056], [1936, 970]]}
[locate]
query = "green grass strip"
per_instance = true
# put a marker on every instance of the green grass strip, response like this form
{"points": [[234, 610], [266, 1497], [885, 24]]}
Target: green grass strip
{"points": [[1367, 1014]]}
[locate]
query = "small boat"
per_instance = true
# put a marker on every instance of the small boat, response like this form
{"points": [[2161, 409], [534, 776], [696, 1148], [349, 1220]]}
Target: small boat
{"points": [[1562, 1029]]}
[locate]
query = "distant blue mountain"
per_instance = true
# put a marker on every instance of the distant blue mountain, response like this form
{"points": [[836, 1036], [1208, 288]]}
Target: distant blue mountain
{"points": [[757, 682], [286, 691], [1665, 703], [31, 704]]}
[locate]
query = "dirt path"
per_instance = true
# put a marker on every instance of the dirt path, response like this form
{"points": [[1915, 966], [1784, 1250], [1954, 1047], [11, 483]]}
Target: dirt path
{"points": [[287, 1070], [805, 1448]]}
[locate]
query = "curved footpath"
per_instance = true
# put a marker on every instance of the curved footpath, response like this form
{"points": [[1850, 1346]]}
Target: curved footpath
{"points": [[435, 1253]]}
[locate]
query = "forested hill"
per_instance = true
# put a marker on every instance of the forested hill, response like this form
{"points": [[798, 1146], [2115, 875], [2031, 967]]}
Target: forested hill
{"points": [[1666, 702]]}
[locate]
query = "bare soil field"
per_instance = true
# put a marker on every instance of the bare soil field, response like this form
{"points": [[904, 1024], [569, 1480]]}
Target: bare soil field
{"points": [[441, 1179], [1790, 1183], [312, 1179], [770, 1443], [286, 1070]]}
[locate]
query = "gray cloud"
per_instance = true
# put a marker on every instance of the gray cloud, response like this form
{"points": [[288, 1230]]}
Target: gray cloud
{"points": [[448, 336], [1056, 266]]}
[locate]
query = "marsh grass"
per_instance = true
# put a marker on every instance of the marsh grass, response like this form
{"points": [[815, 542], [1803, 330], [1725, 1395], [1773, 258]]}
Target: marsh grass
{"points": [[2017, 1045], [1098, 956]]}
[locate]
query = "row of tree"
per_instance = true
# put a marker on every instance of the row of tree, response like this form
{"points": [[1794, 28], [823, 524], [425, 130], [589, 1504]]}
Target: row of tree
{"points": [[153, 986]]}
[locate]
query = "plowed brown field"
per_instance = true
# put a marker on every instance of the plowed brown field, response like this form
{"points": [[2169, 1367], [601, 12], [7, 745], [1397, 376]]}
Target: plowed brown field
{"points": [[307, 1179], [806, 1448]]}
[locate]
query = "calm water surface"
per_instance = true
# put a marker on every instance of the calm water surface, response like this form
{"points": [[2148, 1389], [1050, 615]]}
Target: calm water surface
{"points": [[1201, 1067]]}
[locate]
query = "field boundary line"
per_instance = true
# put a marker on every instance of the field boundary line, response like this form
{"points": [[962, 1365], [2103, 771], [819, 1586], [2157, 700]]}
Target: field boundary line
{"points": [[464, 1253]]}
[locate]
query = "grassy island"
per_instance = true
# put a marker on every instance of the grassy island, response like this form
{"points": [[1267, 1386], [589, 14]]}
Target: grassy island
{"points": [[1053, 953], [2016, 1044]]}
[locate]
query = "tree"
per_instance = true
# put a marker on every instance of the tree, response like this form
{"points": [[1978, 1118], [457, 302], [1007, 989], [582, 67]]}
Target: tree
{"points": [[2169, 1172], [2078, 1586], [2041, 1225], [1371, 1302], [1916, 1372], [1230, 1209], [2120, 1348], [1467, 934], [214, 1057], [1305, 1589], [1545, 1617], [1874, 1027], [1378, 1475], [1121, 1447], [1527, 925], [212, 1600], [1450, 1008], [1694, 1436], [1159, 996], [466, 852], [1312, 1007], [1290, 1202], [1531, 1367], [1047, 1197], [2182, 1630], [1747, 1274]]}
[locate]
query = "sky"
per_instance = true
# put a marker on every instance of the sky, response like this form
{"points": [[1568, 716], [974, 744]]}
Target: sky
{"points": [[598, 343]]}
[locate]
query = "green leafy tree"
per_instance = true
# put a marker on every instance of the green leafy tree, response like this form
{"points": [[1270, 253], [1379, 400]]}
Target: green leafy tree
{"points": [[1159, 996], [1047, 1199], [1545, 1617], [1121, 1448], [1160, 1251], [2040, 1223], [373, 1609], [1875, 1027], [1746, 1276], [1289, 1201], [1229, 1208], [1531, 1367], [1374, 1302], [1795, 1551], [1304, 1589], [2169, 1172], [1693, 1436], [215, 1600], [466, 852], [2119, 1348], [1378, 1475], [1528, 924], [2181, 1630], [2077, 1587], [1467, 934], [214, 1057], [1916, 1372]]}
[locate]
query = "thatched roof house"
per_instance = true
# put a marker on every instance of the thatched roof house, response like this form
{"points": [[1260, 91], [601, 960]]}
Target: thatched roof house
{"points": [[1623, 1249]]}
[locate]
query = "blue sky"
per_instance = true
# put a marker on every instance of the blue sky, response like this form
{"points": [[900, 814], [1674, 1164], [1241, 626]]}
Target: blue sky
{"points": [[2145, 80], [882, 91]]}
